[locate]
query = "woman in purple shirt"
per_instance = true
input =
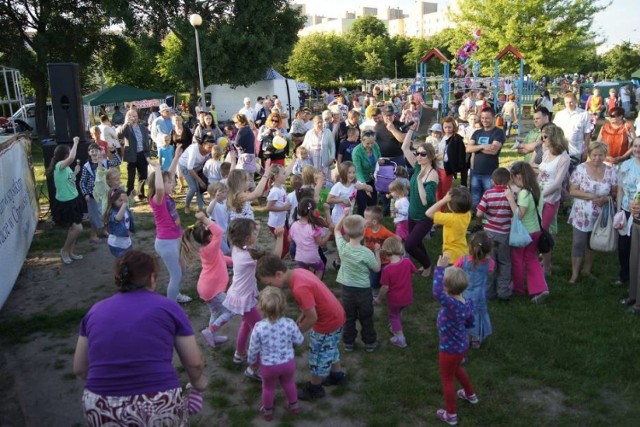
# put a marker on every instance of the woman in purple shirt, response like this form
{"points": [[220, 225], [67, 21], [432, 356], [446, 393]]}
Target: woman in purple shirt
{"points": [[125, 350]]}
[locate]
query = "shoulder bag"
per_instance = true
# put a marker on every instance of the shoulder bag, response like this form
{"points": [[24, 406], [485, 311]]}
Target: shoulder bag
{"points": [[604, 237]]}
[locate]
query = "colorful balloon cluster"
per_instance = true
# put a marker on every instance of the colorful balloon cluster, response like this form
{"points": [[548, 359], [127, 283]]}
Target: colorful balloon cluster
{"points": [[462, 62]]}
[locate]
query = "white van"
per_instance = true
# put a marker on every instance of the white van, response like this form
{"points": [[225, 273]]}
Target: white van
{"points": [[228, 100], [27, 114]]}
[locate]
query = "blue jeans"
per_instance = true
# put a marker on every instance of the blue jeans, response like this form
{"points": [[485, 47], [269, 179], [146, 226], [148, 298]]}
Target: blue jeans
{"points": [[479, 184], [194, 188]]}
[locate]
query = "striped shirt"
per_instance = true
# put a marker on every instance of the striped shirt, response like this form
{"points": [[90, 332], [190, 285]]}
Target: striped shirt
{"points": [[497, 212], [356, 261]]}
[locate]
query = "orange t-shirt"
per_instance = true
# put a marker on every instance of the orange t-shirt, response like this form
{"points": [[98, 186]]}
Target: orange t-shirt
{"points": [[310, 292], [616, 139], [371, 238]]}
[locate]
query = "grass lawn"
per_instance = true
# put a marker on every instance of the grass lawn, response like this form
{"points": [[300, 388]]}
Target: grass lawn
{"points": [[572, 361]]}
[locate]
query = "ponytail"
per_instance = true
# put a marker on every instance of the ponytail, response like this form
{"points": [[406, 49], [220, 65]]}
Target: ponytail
{"points": [[188, 250], [479, 247]]}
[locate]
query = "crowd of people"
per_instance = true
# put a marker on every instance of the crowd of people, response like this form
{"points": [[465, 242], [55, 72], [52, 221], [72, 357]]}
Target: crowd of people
{"points": [[350, 169]]}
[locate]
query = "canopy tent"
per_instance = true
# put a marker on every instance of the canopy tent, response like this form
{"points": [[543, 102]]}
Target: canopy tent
{"points": [[119, 94], [636, 74]]}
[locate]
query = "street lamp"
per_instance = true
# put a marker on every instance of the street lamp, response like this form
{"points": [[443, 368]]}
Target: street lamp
{"points": [[196, 21]]}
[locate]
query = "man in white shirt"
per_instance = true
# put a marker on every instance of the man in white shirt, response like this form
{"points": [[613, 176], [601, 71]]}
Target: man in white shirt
{"points": [[575, 123], [247, 110], [162, 126]]}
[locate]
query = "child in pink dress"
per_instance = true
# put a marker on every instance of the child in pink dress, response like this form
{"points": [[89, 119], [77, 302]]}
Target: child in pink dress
{"points": [[242, 296], [214, 277]]}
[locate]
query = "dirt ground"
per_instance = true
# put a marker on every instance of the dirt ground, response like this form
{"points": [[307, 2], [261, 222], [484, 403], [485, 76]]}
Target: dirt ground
{"points": [[39, 388]]}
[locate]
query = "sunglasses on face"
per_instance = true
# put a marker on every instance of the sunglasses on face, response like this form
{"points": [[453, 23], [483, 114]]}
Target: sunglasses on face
{"points": [[421, 153]]}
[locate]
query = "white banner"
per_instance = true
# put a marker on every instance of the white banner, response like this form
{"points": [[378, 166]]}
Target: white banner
{"points": [[18, 209]]}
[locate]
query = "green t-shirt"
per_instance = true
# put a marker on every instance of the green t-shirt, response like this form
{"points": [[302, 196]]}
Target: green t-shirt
{"points": [[530, 218], [416, 208], [65, 182], [355, 263]]}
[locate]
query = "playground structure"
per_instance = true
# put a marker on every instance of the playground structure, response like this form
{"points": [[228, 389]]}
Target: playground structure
{"points": [[524, 91]]}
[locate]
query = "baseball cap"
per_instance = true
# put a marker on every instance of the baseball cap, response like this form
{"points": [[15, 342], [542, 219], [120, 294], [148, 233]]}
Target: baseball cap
{"points": [[163, 107], [437, 127]]}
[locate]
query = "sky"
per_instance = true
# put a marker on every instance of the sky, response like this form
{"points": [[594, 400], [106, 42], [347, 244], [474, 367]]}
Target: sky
{"points": [[617, 23]]}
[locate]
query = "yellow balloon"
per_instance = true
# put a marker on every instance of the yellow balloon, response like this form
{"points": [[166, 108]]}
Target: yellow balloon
{"points": [[279, 142], [223, 141]]}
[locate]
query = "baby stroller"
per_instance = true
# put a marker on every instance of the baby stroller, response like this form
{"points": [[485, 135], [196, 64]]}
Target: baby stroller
{"points": [[384, 175]]}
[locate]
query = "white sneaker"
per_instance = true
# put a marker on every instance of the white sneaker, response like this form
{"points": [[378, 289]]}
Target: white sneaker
{"points": [[539, 299], [183, 298]]}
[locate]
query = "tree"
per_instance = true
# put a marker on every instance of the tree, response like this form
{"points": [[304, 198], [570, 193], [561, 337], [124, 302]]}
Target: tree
{"points": [[35, 33], [622, 60], [372, 47], [319, 58], [239, 39], [551, 34], [401, 46], [368, 26], [132, 61]]}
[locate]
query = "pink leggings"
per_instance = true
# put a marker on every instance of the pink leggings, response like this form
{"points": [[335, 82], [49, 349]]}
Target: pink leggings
{"points": [[249, 319], [395, 317], [548, 213], [283, 374], [450, 370]]}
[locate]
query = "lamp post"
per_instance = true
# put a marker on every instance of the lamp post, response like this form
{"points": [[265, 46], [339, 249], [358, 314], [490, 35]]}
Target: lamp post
{"points": [[196, 21]]}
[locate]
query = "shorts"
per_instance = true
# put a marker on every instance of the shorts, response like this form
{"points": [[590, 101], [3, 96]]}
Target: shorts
{"points": [[69, 212], [323, 352], [164, 408], [316, 266], [118, 252]]}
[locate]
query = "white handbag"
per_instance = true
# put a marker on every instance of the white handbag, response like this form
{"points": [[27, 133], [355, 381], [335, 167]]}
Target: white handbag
{"points": [[604, 237]]}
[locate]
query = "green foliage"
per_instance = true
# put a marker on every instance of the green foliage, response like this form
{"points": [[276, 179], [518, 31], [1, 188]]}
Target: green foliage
{"points": [[126, 61], [35, 33], [318, 58], [621, 61], [551, 34], [368, 26]]}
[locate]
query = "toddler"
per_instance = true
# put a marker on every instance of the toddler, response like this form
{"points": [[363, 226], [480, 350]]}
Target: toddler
{"points": [[165, 153], [343, 193], [454, 318], [357, 261], [214, 278], [273, 340], [225, 168], [277, 204], [302, 160], [374, 235], [217, 211], [308, 234], [120, 223], [397, 287], [400, 209], [454, 223], [321, 313], [211, 168], [292, 197], [478, 266]]}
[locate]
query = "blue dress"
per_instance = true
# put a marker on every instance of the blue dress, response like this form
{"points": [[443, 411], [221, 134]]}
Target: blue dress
{"points": [[476, 292]]}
